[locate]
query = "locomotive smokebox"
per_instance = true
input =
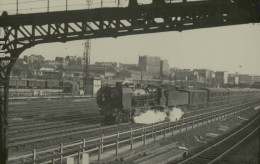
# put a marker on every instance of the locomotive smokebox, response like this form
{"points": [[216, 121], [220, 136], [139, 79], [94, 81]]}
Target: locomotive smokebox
{"points": [[118, 84]]}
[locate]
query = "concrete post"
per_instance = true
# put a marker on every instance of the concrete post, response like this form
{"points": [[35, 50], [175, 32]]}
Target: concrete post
{"points": [[61, 152], [85, 158], [34, 156], [117, 142], [79, 153], [53, 158], [99, 151], [102, 142], [131, 139], [84, 145], [154, 136], [143, 133], [70, 160], [152, 129]]}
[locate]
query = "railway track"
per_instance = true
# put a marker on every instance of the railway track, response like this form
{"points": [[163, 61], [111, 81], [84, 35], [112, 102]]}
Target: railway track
{"points": [[106, 130], [137, 133], [42, 126], [41, 132], [44, 120], [226, 144]]}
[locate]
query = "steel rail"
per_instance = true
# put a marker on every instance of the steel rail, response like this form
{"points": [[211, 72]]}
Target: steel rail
{"points": [[183, 123], [216, 144], [234, 146]]}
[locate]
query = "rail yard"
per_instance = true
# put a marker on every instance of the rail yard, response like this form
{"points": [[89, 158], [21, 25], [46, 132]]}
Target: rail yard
{"points": [[67, 124], [191, 96]]}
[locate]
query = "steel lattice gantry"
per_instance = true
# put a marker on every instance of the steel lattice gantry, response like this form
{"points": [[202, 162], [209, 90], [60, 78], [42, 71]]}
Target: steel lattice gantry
{"points": [[19, 32]]}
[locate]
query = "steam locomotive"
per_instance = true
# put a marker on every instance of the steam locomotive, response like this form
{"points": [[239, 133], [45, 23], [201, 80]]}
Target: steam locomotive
{"points": [[121, 103]]}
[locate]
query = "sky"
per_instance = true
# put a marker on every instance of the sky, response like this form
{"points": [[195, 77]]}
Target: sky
{"points": [[217, 49]]}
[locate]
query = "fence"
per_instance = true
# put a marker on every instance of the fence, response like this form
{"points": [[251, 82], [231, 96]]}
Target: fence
{"points": [[113, 141]]}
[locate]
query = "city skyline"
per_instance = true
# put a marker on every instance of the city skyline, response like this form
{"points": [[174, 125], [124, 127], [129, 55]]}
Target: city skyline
{"points": [[218, 49]]}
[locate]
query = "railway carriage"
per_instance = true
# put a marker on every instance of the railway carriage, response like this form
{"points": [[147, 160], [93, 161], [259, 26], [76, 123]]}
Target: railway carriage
{"points": [[17, 83], [245, 94], [53, 84], [31, 83], [197, 98], [40, 84], [217, 95], [12, 83], [233, 95], [254, 93], [21, 83]]}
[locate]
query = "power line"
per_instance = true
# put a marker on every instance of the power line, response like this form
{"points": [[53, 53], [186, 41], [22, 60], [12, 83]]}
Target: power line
{"points": [[56, 6], [32, 1]]}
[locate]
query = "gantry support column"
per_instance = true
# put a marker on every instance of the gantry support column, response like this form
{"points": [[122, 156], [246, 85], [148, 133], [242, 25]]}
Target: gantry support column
{"points": [[6, 65]]}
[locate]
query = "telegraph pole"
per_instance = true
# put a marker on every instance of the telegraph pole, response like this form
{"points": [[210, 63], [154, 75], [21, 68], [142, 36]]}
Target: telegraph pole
{"points": [[86, 55]]}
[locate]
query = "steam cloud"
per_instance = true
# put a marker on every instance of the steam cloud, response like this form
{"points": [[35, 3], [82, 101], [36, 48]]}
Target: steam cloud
{"points": [[153, 116], [257, 107], [175, 113]]}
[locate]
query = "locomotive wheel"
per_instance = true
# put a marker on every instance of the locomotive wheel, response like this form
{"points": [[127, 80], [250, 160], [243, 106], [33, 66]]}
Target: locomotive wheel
{"points": [[127, 119], [121, 119], [118, 120], [108, 120]]}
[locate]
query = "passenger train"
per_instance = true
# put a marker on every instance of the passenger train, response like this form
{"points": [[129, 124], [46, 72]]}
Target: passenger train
{"points": [[122, 103]]}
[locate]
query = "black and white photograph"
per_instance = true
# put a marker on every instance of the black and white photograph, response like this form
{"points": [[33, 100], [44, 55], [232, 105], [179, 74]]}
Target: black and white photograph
{"points": [[129, 81]]}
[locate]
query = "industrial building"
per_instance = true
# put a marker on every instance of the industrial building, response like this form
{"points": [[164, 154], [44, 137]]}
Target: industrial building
{"points": [[150, 64], [221, 78], [164, 68]]}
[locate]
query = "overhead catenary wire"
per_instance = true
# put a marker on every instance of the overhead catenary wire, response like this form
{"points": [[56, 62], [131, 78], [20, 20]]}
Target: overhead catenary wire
{"points": [[33, 1], [55, 6], [14, 3]]}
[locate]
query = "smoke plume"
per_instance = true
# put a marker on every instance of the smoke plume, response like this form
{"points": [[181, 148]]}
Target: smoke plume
{"points": [[150, 116], [175, 113], [153, 116]]}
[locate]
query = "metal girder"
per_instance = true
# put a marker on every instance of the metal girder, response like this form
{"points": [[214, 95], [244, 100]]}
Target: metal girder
{"points": [[28, 30], [5, 70], [6, 65]]}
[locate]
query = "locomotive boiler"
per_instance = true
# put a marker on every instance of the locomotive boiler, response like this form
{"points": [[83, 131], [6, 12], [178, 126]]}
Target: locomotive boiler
{"points": [[121, 103]]}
